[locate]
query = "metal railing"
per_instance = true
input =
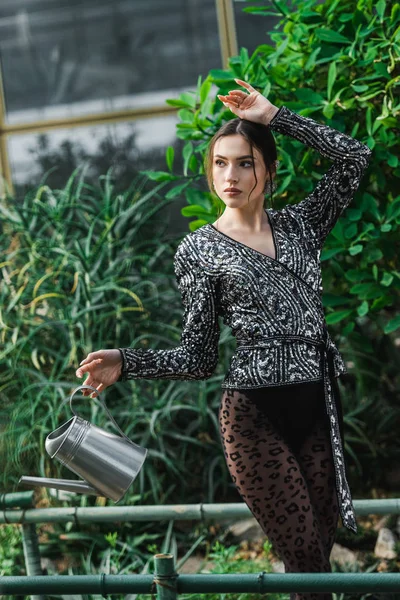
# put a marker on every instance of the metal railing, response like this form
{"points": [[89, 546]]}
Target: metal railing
{"points": [[165, 581]]}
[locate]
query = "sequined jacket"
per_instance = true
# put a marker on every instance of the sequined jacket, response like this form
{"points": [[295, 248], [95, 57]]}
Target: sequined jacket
{"points": [[260, 297], [273, 305]]}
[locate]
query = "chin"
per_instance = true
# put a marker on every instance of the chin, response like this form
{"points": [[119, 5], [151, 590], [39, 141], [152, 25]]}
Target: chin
{"points": [[235, 202]]}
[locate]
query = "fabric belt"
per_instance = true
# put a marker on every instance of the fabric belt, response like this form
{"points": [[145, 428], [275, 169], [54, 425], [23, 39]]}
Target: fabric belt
{"points": [[346, 508]]}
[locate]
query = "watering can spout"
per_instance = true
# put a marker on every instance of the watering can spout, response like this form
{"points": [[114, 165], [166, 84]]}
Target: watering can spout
{"points": [[66, 485]]}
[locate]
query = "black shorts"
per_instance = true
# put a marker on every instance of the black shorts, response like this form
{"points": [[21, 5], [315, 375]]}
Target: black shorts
{"points": [[295, 408]]}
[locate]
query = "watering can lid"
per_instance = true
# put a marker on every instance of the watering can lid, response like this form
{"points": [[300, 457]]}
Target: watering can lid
{"points": [[56, 438], [54, 441]]}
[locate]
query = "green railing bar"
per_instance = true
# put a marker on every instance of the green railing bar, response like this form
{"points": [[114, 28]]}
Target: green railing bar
{"points": [[13, 499], [167, 512], [249, 583], [76, 584]]}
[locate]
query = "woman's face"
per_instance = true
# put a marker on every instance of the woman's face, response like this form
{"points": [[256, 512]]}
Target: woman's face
{"points": [[233, 168]]}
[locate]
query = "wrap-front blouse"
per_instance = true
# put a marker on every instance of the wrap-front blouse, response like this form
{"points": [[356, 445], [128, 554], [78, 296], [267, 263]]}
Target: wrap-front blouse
{"points": [[272, 305]]}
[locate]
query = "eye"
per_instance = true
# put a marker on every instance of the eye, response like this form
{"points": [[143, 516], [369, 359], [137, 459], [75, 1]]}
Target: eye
{"points": [[219, 161], [246, 163]]}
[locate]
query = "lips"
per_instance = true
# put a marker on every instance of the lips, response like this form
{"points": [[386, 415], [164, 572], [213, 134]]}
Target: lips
{"points": [[232, 190]]}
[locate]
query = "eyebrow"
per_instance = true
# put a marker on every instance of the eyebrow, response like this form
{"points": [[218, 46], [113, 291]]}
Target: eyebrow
{"points": [[238, 158]]}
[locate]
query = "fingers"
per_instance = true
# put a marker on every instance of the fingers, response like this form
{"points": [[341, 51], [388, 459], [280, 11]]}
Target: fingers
{"points": [[229, 101], [95, 384], [236, 94], [236, 97], [246, 85], [91, 356], [87, 382], [98, 388], [89, 365], [87, 359], [86, 368]]}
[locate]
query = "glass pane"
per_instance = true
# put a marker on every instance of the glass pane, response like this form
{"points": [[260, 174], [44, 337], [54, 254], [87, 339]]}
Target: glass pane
{"points": [[252, 30], [127, 147], [68, 57]]}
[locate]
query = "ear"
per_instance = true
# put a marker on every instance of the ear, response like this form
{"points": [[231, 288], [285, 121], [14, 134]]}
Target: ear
{"points": [[273, 167]]}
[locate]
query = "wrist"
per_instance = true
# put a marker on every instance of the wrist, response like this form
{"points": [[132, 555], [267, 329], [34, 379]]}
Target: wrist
{"points": [[269, 114], [122, 376]]}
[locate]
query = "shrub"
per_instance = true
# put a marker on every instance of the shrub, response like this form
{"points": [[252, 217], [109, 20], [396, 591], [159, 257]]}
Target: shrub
{"points": [[336, 62]]}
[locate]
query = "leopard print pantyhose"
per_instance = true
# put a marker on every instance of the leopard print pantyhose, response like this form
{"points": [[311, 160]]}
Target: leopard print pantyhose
{"points": [[277, 447]]}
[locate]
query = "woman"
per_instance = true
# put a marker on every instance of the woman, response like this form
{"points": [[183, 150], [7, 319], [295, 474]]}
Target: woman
{"points": [[280, 414]]}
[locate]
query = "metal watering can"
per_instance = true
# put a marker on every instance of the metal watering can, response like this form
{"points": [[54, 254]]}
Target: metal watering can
{"points": [[107, 462]]}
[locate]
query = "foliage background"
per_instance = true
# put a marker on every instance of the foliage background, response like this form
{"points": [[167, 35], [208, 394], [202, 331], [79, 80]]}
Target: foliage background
{"points": [[339, 64], [85, 267]]}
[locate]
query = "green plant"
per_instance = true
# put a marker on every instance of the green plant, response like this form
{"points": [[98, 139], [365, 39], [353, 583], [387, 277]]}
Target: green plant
{"points": [[347, 79], [227, 560], [85, 268], [120, 552], [115, 152], [354, 567], [11, 554], [336, 62]]}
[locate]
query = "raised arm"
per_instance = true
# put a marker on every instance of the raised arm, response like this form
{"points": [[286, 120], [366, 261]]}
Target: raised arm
{"points": [[196, 357], [320, 210]]}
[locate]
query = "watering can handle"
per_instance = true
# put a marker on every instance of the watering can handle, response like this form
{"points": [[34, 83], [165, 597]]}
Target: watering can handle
{"points": [[102, 402]]}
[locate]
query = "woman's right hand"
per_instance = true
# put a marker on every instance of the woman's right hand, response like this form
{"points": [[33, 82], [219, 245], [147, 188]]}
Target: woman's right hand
{"points": [[104, 368], [252, 106]]}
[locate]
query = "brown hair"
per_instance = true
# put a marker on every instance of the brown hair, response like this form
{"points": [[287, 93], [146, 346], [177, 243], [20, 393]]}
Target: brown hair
{"points": [[258, 136]]}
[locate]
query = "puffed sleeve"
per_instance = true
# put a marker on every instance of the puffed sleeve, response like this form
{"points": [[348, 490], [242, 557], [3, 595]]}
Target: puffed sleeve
{"points": [[196, 357], [319, 211]]}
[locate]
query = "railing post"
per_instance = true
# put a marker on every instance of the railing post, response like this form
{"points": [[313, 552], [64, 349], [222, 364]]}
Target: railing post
{"points": [[165, 577], [30, 545], [30, 541]]}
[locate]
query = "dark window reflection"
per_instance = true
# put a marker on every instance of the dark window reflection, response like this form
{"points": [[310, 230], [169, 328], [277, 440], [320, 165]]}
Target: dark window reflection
{"points": [[253, 30], [56, 52], [125, 147]]}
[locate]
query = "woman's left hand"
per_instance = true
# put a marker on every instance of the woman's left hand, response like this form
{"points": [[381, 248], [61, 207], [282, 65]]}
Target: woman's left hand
{"points": [[103, 368], [252, 107]]}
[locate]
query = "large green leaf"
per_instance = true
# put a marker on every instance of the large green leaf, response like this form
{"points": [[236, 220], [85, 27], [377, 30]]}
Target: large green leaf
{"points": [[338, 316], [392, 325], [308, 95], [160, 176], [332, 72], [330, 35], [170, 153]]}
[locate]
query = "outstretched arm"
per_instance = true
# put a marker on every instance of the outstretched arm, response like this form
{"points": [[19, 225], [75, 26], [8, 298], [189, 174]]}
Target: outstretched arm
{"points": [[196, 357], [320, 210]]}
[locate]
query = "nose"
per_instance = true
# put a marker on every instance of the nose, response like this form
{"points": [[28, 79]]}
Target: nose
{"points": [[231, 175]]}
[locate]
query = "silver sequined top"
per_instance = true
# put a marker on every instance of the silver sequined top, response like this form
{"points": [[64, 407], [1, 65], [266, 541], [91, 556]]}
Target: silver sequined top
{"points": [[272, 305]]}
